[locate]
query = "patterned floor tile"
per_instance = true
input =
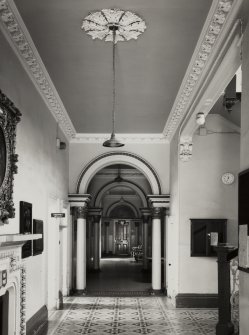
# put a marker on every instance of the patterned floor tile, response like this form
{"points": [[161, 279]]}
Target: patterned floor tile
{"points": [[133, 315]]}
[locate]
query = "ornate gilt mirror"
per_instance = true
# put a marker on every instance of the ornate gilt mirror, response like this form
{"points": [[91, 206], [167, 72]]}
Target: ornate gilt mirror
{"points": [[9, 117]]}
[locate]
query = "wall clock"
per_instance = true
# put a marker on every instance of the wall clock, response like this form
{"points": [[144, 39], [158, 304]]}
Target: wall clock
{"points": [[227, 178]]}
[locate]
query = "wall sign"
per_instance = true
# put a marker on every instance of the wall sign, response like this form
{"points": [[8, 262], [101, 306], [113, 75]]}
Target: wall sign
{"points": [[3, 278]]}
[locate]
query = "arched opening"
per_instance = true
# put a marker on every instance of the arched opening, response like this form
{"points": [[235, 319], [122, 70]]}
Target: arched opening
{"points": [[120, 191], [127, 158]]}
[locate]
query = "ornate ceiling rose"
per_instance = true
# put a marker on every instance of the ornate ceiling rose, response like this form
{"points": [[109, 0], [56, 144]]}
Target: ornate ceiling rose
{"points": [[101, 24]]}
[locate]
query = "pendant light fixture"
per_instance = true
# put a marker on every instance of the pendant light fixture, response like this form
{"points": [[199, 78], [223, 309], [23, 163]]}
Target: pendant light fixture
{"points": [[113, 25], [113, 142]]}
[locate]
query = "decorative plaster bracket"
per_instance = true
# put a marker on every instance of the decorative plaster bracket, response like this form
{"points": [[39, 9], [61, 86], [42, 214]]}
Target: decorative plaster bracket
{"points": [[185, 150]]}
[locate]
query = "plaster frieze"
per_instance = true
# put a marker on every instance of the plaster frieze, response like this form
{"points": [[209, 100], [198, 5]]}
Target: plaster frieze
{"points": [[20, 40], [124, 138], [214, 33]]}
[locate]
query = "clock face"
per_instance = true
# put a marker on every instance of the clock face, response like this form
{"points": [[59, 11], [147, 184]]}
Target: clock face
{"points": [[227, 178]]}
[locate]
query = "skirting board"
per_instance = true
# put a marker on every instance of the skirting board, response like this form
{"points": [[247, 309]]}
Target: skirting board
{"points": [[37, 322], [192, 300]]}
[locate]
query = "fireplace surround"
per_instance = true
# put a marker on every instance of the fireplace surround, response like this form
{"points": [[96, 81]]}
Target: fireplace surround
{"points": [[13, 283]]}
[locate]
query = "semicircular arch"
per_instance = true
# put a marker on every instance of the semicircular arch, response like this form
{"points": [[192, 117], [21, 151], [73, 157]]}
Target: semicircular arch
{"points": [[125, 183], [123, 203], [110, 158]]}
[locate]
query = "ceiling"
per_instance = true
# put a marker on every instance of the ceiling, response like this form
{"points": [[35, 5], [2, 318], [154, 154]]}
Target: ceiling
{"points": [[149, 70]]}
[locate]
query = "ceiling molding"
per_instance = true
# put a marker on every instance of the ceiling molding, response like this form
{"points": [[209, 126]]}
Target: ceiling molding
{"points": [[21, 42], [216, 28], [216, 81], [124, 138], [213, 35]]}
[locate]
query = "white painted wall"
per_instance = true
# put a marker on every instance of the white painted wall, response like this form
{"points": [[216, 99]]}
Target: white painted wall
{"points": [[244, 164], [201, 194], [156, 154], [42, 170], [172, 229]]}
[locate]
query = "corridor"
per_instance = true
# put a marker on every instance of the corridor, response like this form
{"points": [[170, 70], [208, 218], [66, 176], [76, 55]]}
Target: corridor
{"points": [[129, 315], [119, 275]]}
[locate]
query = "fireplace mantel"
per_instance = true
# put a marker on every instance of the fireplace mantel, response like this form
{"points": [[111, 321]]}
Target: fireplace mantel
{"points": [[9, 240]]}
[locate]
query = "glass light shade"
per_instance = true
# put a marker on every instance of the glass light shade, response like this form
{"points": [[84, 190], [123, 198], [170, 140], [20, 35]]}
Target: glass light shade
{"points": [[200, 119], [112, 142]]}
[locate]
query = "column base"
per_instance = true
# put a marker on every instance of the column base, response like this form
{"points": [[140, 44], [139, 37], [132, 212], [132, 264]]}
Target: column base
{"points": [[224, 328], [79, 292], [155, 292], [60, 300]]}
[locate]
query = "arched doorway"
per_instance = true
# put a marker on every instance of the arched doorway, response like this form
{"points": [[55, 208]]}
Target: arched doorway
{"points": [[120, 191]]}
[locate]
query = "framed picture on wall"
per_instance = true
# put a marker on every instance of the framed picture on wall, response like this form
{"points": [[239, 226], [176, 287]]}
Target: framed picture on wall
{"points": [[26, 226], [38, 244]]}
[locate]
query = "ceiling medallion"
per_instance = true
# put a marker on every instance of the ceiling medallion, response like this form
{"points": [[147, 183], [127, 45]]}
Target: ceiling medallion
{"points": [[99, 25]]}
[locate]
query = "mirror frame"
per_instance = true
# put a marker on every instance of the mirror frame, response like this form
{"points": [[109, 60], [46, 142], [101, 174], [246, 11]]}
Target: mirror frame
{"points": [[9, 117]]}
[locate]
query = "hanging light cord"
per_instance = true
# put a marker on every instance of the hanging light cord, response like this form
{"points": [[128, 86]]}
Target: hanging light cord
{"points": [[113, 81]]}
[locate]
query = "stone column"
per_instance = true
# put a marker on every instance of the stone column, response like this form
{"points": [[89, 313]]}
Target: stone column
{"points": [[146, 214], [81, 249], [137, 232], [79, 202], [157, 202], [156, 249], [95, 213], [107, 224]]}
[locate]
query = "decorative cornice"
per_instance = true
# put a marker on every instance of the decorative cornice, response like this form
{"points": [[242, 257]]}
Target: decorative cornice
{"points": [[124, 138], [20, 40], [213, 35]]}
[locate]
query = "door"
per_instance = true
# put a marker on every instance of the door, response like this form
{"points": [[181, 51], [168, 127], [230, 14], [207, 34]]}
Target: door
{"points": [[171, 256], [122, 237]]}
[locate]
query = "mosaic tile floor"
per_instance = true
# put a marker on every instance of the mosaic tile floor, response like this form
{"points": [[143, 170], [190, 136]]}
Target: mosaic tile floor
{"points": [[123, 315]]}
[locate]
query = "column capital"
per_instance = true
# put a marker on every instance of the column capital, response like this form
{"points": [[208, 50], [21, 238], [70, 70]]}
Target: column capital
{"points": [[95, 213], [146, 211], [81, 212], [157, 212], [162, 200], [79, 200], [146, 214]]}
